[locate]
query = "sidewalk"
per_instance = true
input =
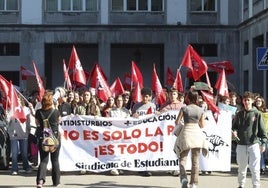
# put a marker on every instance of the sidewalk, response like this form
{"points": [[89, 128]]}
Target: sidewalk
{"points": [[128, 180]]}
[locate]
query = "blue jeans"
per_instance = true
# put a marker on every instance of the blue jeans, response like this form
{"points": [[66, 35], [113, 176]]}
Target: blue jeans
{"points": [[22, 146]]}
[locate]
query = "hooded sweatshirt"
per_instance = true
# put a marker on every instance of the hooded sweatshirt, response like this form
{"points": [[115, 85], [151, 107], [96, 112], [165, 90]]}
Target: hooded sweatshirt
{"points": [[250, 127]]}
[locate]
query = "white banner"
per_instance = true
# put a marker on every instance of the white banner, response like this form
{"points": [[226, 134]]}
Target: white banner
{"points": [[100, 144]]}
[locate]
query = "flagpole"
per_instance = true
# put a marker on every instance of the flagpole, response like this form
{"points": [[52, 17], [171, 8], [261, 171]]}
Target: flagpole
{"points": [[21, 95]]}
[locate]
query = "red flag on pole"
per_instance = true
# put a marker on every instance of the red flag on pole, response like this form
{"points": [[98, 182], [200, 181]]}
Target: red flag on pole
{"points": [[4, 87], [16, 110], [136, 76], [67, 80], [178, 82], [127, 81], [136, 94], [117, 88], [99, 82], [194, 62], [39, 82], [170, 79], [157, 88], [218, 66], [209, 99], [221, 85], [78, 74], [25, 73]]}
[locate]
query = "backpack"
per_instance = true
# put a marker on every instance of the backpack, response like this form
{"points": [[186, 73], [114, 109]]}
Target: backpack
{"points": [[50, 142]]}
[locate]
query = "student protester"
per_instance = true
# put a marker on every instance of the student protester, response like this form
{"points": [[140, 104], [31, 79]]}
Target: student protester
{"points": [[190, 138], [260, 104], [141, 108], [118, 112], [173, 103], [54, 120], [19, 133], [248, 128]]}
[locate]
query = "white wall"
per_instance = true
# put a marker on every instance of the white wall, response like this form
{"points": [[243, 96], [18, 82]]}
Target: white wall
{"points": [[176, 11], [31, 12]]}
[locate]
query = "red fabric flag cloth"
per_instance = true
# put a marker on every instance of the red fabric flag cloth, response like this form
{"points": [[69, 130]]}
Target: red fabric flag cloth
{"points": [[170, 79], [194, 62], [67, 80], [178, 82], [40, 84], [209, 99], [25, 73], [221, 85], [136, 76], [150, 110], [136, 94], [99, 82], [117, 88], [78, 74], [218, 66], [127, 81], [4, 89], [16, 109], [157, 88]]}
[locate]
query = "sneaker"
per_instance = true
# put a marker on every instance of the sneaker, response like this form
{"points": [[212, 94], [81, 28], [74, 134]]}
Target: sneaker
{"points": [[14, 173], [184, 183], [56, 185], [193, 186], [114, 172], [40, 184], [262, 172], [82, 172]]}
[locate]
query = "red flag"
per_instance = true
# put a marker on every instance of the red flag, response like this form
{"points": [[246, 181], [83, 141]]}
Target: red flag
{"points": [[25, 73], [136, 94], [76, 68], [209, 99], [221, 85], [178, 82], [157, 88], [127, 81], [149, 111], [16, 110], [117, 88], [66, 77], [136, 76], [99, 82], [194, 62], [4, 85], [4, 89], [170, 79], [218, 66], [39, 82]]}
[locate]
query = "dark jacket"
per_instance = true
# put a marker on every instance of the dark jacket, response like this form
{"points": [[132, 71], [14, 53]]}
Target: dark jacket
{"points": [[250, 127]]}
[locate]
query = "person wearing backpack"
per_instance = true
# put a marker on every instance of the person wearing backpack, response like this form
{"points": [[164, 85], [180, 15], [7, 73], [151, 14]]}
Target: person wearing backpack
{"points": [[53, 115]]}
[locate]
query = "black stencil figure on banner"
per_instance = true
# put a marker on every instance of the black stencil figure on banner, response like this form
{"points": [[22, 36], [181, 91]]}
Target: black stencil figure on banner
{"points": [[216, 142]]}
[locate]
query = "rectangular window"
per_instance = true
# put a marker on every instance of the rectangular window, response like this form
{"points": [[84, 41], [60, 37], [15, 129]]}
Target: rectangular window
{"points": [[117, 5], [9, 5], [143, 5], [207, 50], [71, 5], [157, 5], [51, 5], [9, 49], [131, 4], [246, 47], [203, 5]]}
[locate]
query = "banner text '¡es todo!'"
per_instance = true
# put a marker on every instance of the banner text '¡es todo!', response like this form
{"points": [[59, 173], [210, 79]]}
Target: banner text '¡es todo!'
{"points": [[117, 134]]}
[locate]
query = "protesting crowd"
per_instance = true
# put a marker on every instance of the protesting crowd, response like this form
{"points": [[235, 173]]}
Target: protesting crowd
{"points": [[36, 136]]}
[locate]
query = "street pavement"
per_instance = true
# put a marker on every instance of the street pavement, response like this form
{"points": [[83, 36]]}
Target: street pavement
{"points": [[128, 180]]}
